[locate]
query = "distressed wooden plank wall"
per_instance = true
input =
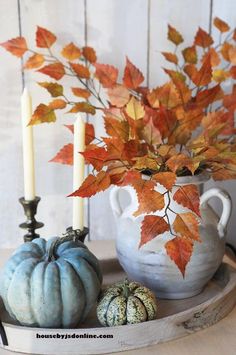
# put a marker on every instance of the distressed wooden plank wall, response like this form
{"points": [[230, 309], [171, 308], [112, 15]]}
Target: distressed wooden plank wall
{"points": [[116, 28], [226, 10], [10, 146]]}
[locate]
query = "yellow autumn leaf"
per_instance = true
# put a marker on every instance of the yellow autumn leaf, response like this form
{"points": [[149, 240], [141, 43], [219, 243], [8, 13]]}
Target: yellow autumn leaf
{"points": [[220, 75], [134, 109]]}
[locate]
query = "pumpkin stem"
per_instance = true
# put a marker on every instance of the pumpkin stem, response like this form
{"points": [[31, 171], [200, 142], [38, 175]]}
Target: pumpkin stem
{"points": [[76, 234], [70, 235], [126, 290]]}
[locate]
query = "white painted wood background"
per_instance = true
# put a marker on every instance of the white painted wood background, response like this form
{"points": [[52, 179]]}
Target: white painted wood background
{"points": [[137, 28]]}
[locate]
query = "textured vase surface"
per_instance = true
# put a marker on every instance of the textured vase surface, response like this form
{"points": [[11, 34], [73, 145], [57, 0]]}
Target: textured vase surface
{"points": [[150, 264]]}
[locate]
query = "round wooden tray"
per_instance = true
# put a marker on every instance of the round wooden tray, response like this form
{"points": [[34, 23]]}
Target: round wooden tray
{"points": [[176, 318]]}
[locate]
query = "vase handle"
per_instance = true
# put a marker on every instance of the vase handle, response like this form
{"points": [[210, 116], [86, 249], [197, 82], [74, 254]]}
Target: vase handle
{"points": [[118, 211], [227, 206]]}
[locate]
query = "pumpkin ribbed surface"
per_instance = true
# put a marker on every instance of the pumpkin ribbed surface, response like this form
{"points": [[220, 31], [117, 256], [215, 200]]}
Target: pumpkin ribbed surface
{"points": [[59, 292], [126, 303]]}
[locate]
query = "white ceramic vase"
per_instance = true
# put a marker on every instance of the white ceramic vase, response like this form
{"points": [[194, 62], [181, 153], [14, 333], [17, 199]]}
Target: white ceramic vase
{"points": [[150, 264]]}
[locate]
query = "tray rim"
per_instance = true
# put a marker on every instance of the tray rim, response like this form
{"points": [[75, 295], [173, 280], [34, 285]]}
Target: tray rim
{"points": [[225, 290]]}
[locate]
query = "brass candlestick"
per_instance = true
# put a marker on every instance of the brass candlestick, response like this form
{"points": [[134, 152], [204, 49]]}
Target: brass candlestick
{"points": [[76, 234], [30, 210]]}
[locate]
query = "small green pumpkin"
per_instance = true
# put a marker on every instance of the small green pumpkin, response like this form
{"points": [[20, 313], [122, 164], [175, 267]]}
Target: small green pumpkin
{"points": [[126, 303], [51, 283]]}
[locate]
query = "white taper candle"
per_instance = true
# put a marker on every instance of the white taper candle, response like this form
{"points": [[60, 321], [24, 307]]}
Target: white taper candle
{"points": [[78, 173], [28, 146]]}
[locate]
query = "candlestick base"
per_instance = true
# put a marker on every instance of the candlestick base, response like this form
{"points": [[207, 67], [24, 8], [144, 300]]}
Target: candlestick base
{"points": [[77, 234], [30, 210]]}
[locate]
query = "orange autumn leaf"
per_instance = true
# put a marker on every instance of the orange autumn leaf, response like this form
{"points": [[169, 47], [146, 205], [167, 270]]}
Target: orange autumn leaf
{"points": [[202, 76], [216, 122], [188, 196], [212, 119], [135, 179], [135, 109], [181, 135], [208, 96], [71, 51], [42, 114], [166, 151], [179, 161], [190, 70], [89, 54], [174, 36], [232, 55], [116, 179], [81, 92], [178, 80], [151, 133], [16, 46], [234, 35], [221, 172], [134, 148], [82, 107], [153, 98], [57, 104], [80, 70], [117, 172], [152, 226], [221, 25], [190, 55], [214, 55], [233, 72], [106, 74], [134, 176], [55, 70], [229, 100], [180, 251], [164, 121], [189, 119], [187, 226], [115, 113], [116, 128], [215, 58], [133, 77], [96, 156], [145, 162], [65, 155], [166, 95], [166, 179], [54, 89], [35, 61], [225, 48], [93, 184], [44, 38], [203, 39], [89, 133], [118, 95], [114, 146], [149, 201], [170, 57]]}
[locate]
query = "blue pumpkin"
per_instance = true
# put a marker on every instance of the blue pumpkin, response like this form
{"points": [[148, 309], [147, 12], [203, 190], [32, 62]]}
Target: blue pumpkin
{"points": [[44, 289]]}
